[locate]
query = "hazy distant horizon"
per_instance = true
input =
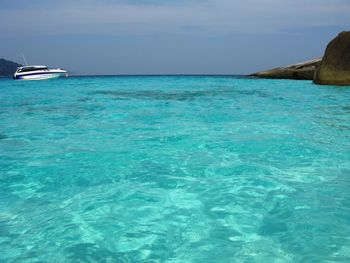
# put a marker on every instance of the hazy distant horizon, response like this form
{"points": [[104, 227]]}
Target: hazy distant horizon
{"points": [[151, 37]]}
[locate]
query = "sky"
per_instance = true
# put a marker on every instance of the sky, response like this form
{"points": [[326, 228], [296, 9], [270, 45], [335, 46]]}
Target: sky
{"points": [[128, 37]]}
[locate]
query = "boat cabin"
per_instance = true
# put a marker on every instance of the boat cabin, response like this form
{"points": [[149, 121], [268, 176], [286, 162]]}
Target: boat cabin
{"points": [[31, 68]]}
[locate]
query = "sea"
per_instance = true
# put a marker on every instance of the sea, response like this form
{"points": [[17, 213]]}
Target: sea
{"points": [[174, 169]]}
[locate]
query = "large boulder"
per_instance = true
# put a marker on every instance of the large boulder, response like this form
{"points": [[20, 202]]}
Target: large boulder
{"points": [[304, 71], [335, 66]]}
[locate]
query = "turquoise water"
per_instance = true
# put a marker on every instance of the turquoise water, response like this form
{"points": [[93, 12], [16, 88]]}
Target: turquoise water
{"points": [[174, 169]]}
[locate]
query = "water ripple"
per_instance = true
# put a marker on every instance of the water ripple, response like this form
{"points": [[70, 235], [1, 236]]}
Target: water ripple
{"points": [[174, 169]]}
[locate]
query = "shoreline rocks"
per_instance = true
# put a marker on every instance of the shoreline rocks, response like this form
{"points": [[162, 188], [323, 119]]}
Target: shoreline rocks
{"points": [[300, 71], [332, 69], [335, 66]]}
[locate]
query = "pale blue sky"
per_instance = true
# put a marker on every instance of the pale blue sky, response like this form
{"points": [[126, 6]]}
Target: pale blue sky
{"points": [[169, 37]]}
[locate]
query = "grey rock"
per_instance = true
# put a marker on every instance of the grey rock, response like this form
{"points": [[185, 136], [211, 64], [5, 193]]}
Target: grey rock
{"points": [[303, 71]]}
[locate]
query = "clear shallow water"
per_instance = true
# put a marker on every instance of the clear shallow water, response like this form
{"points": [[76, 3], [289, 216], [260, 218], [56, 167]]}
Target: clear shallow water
{"points": [[174, 169]]}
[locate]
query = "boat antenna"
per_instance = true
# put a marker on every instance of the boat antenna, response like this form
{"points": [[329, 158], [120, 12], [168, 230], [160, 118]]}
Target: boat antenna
{"points": [[24, 58]]}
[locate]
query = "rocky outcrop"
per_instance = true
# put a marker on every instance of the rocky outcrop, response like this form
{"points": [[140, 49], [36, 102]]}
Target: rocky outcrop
{"points": [[304, 70], [7, 68], [335, 66]]}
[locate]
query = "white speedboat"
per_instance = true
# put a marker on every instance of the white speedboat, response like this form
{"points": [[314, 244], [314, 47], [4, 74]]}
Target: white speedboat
{"points": [[38, 73]]}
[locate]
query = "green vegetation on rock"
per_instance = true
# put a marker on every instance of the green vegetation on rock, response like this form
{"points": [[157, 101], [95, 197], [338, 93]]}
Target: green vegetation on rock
{"points": [[7, 68]]}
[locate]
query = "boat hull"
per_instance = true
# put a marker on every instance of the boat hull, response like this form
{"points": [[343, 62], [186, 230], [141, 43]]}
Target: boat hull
{"points": [[40, 76]]}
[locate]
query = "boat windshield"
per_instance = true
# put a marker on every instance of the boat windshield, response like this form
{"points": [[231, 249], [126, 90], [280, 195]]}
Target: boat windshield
{"points": [[26, 69]]}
